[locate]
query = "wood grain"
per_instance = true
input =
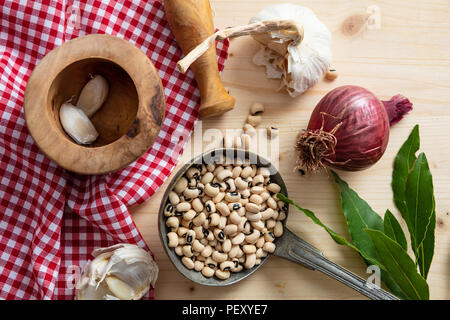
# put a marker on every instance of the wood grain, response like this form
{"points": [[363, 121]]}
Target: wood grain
{"points": [[128, 121], [409, 54], [191, 22]]}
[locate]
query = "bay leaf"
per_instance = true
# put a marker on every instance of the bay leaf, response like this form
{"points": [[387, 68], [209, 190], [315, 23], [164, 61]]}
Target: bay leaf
{"points": [[403, 164], [400, 266], [393, 229]]}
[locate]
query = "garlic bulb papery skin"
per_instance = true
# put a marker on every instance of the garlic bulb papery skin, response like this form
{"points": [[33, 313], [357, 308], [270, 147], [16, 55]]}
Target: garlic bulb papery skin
{"points": [[299, 65], [120, 272], [76, 124]]}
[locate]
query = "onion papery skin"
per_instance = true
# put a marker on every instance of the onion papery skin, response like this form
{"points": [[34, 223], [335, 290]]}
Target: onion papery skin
{"points": [[360, 124]]}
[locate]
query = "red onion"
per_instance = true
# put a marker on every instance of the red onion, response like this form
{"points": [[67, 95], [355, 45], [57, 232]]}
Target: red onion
{"points": [[349, 129]]}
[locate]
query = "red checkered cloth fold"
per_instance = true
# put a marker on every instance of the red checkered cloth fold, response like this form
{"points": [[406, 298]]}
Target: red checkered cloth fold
{"points": [[51, 219]]}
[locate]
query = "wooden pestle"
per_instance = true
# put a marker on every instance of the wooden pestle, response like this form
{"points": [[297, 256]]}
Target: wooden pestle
{"points": [[191, 23]]}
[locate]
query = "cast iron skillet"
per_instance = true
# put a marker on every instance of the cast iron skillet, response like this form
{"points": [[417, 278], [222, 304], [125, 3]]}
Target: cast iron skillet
{"points": [[288, 246]]}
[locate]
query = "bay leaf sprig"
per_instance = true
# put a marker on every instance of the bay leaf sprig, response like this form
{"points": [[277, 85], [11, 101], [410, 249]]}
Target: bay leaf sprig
{"points": [[382, 242]]}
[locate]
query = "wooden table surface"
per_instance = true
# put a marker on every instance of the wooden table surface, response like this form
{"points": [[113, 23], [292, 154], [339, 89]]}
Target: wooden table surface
{"points": [[408, 53]]}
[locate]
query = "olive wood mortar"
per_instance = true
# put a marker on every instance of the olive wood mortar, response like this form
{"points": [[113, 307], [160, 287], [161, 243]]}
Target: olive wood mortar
{"points": [[128, 121], [191, 23], [288, 246]]}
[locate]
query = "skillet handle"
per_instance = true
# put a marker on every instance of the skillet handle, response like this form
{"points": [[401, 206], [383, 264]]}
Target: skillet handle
{"points": [[291, 247]]}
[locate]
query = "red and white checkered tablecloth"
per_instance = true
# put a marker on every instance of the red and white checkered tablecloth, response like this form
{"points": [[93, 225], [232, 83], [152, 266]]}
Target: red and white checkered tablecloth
{"points": [[51, 219]]}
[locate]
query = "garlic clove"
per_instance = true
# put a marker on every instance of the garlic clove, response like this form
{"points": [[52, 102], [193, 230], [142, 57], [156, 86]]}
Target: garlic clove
{"points": [[123, 271], [76, 124], [93, 95], [119, 288]]}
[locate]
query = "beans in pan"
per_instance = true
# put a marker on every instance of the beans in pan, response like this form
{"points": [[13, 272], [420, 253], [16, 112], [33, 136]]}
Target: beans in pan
{"points": [[224, 218]]}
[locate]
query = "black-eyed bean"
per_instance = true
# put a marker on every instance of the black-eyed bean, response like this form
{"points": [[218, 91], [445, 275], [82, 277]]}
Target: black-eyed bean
{"points": [[258, 225], [223, 209], [236, 172], [192, 184], [226, 246], [234, 218], [260, 242], [241, 211], [245, 194], [182, 231], [252, 207], [230, 185], [252, 237], [218, 246], [174, 198], [246, 172], [238, 239], [207, 178], [254, 170], [269, 247], [189, 215], [260, 253], [219, 234], [256, 199], [210, 236], [232, 196], [247, 228], [208, 272], [199, 219], [222, 275], [257, 190], [183, 206], [219, 197], [187, 223], [219, 256], [258, 180], [172, 222], [276, 214], [169, 210], [197, 205], [271, 203], [190, 236], [250, 261], [173, 239], [197, 246], [226, 265], [187, 251], [230, 229], [249, 129], [188, 263], [203, 169], [278, 229], [252, 217], [265, 196], [179, 250], [257, 262], [181, 241], [192, 172], [181, 185], [198, 265], [222, 223], [249, 248], [264, 171], [223, 175], [200, 258], [270, 223], [269, 237], [241, 256], [210, 206], [211, 190], [207, 251], [267, 214], [191, 193], [214, 219], [281, 216], [274, 188], [240, 183], [204, 241]]}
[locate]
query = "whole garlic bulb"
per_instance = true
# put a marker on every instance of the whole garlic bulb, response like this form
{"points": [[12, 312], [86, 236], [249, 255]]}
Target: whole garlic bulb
{"points": [[296, 45], [122, 271], [300, 65]]}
